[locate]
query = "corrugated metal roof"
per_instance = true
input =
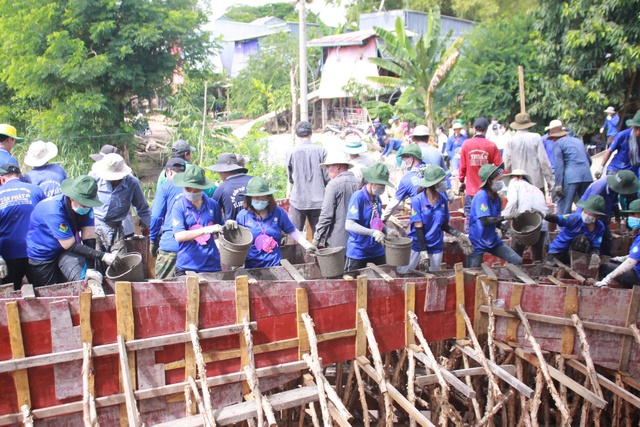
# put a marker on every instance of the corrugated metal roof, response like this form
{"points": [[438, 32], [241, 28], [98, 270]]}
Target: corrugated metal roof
{"points": [[355, 38]]}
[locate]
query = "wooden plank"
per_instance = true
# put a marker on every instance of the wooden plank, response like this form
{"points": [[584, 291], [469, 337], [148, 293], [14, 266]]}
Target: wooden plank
{"points": [[607, 383], [27, 291], [295, 274], [563, 379], [302, 306], [521, 275], [133, 417], [569, 270], [430, 379], [461, 330], [409, 306], [451, 379], [632, 317], [192, 316], [380, 272], [480, 322], [20, 378], [242, 312], [512, 324], [125, 328], [329, 336], [488, 271], [555, 281], [86, 332], [361, 302], [569, 332]]}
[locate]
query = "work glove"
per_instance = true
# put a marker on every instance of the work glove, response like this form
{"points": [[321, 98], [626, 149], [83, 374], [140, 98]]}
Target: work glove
{"points": [[230, 224], [391, 232], [461, 189], [558, 192], [620, 259], [378, 236], [595, 261], [154, 249], [213, 229], [464, 243], [601, 130], [110, 258], [599, 172], [511, 216], [423, 264], [602, 283], [94, 281], [3, 268], [424, 255], [310, 248], [450, 195]]}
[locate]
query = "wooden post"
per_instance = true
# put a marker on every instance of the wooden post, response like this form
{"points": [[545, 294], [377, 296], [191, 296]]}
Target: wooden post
{"points": [[20, 378], [512, 323], [632, 317], [361, 303], [192, 318], [243, 312], [409, 307], [302, 306], [131, 409], [125, 329], [202, 373], [86, 331], [570, 308], [460, 328], [523, 108]]}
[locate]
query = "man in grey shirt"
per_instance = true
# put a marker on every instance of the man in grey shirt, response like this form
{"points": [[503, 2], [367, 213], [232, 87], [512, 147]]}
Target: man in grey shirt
{"points": [[306, 177], [330, 231]]}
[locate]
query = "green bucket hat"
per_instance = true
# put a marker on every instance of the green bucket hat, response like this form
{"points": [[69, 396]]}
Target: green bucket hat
{"points": [[594, 204], [83, 190], [634, 207], [433, 174], [377, 174], [624, 182], [258, 187], [193, 177], [412, 150], [485, 173], [635, 122]]}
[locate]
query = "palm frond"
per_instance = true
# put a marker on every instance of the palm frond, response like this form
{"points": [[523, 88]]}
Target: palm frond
{"points": [[386, 81]]}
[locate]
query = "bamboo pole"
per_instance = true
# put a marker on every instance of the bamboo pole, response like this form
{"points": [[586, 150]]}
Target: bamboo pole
{"points": [[411, 377], [363, 397], [89, 413], [524, 413], [202, 373], [196, 394], [489, 414], [316, 369], [474, 401]]}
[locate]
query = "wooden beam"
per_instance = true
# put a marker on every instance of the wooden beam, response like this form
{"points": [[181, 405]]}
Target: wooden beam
{"points": [[512, 324], [607, 383], [125, 329], [632, 317], [465, 390], [430, 379], [521, 275], [133, 417], [243, 312], [480, 322], [361, 302], [569, 332], [488, 271], [409, 307], [295, 274], [302, 306], [569, 270], [192, 317], [20, 377], [461, 331], [380, 272], [523, 107]]}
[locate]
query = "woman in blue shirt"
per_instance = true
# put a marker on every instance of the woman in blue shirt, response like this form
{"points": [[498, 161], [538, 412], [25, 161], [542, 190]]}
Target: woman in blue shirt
{"points": [[267, 221], [196, 218], [485, 217], [429, 221]]}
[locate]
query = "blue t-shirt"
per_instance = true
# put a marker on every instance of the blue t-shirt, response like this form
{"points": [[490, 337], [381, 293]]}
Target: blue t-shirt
{"points": [[48, 177], [634, 253], [17, 201], [193, 256], [548, 147], [572, 226], [362, 209], [484, 238], [453, 144], [600, 188], [51, 221], [620, 146], [432, 219], [161, 212], [272, 225], [230, 194], [6, 157], [408, 186]]}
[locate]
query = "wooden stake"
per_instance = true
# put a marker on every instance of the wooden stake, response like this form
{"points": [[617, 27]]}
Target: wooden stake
{"points": [[489, 414], [460, 331], [20, 377], [524, 413], [125, 329], [192, 317], [570, 308], [474, 401], [133, 416], [363, 396], [411, 391], [636, 332], [27, 417], [196, 394], [202, 373], [586, 353], [523, 108], [302, 306], [409, 306], [535, 402], [361, 303], [243, 312], [86, 332], [89, 414]]}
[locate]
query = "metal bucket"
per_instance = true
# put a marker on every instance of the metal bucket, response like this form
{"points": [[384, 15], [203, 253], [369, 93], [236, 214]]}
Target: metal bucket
{"points": [[130, 269], [398, 250], [234, 246], [526, 228], [331, 261]]}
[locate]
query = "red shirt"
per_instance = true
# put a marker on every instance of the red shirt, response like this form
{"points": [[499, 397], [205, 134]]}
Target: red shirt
{"points": [[476, 152]]}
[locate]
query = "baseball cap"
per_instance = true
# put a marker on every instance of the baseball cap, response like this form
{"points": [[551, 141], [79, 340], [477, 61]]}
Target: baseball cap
{"points": [[175, 163], [181, 146], [8, 168]]}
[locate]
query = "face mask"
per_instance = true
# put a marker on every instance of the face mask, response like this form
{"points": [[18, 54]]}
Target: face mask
{"points": [[442, 187], [407, 164], [588, 219], [82, 211], [633, 223], [260, 205], [378, 190], [498, 185], [192, 197]]}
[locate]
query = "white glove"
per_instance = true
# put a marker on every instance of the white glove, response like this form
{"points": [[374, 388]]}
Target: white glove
{"points": [[310, 248], [3, 268], [450, 194], [378, 236], [602, 129], [212, 229], [602, 283], [465, 243], [424, 255], [94, 280], [392, 232], [595, 261], [109, 258], [230, 224], [620, 258]]}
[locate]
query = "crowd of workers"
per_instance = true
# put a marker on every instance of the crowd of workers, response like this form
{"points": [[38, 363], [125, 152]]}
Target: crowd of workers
{"points": [[57, 229]]}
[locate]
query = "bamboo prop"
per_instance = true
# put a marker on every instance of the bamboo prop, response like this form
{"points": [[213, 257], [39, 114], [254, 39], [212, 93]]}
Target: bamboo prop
{"points": [[474, 401], [411, 390], [27, 417], [133, 416], [89, 412], [196, 394], [202, 373], [362, 394], [543, 366], [592, 375], [488, 416], [536, 400], [314, 415], [187, 400], [524, 413], [493, 383], [377, 360], [263, 407], [395, 381], [636, 332], [348, 390], [491, 328]]}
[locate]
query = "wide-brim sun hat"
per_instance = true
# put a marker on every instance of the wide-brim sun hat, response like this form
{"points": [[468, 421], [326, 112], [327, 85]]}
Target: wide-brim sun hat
{"points": [[635, 122], [421, 130], [412, 150], [378, 173], [610, 110], [10, 131], [354, 145], [559, 133], [257, 187], [624, 182], [485, 172], [433, 174], [40, 153], [523, 121], [634, 207], [519, 172], [456, 125], [111, 168], [83, 190], [227, 162], [336, 158], [594, 205], [193, 177], [553, 124]]}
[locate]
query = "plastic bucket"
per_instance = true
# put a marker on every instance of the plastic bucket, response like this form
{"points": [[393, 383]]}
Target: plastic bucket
{"points": [[234, 246], [398, 250], [526, 228], [331, 261], [130, 269]]}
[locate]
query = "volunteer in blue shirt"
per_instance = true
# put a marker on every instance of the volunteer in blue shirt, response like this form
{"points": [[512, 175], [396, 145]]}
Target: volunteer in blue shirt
{"points": [[8, 139], [625, 270], [625, 145], [61, 237], [17, 201], [379, 132], [267, 222], [454, 145], [183, 150], [364, 220], [163, 244], [429, 221], [412, 160], [610, 125], [390, 145], [48, 176], [230, 194], [581, 232], [485, 216], [196, 219]]}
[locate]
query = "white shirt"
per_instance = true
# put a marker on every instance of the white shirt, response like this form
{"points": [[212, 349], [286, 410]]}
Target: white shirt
{"points": [[522, 196]]}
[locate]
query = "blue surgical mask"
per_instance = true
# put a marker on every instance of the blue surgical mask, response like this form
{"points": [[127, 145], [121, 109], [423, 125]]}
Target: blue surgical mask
{"points": [[260, 205], [82, 211], [633, 223]]}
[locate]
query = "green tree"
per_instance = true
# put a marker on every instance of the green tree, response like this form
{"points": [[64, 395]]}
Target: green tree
{"points": [[72, 67], [420, 69], [285, 11]]}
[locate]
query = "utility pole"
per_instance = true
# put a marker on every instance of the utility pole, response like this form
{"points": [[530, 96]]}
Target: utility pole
{"points": [[304, 105]]}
